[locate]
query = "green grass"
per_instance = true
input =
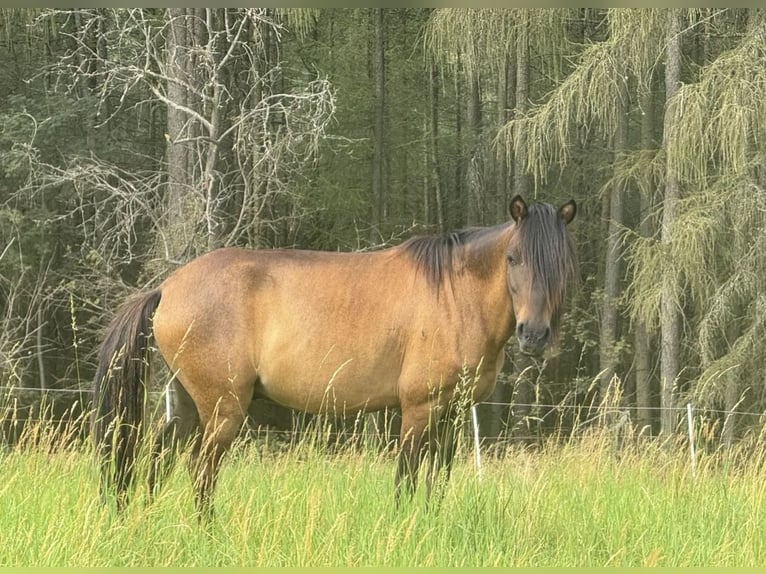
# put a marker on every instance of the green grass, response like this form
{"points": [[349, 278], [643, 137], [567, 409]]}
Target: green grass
{"points": [[576, 505]]}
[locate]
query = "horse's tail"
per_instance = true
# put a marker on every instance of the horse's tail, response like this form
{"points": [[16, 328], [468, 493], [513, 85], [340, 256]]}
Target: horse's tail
{"points": [[120, 390]]}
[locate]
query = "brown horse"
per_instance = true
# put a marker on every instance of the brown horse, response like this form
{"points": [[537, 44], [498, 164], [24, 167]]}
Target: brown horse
{"points": [[338, 332]]}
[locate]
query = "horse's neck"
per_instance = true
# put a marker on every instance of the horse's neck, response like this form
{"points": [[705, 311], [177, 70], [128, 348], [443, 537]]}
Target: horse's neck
{"points": [[480, 287]]}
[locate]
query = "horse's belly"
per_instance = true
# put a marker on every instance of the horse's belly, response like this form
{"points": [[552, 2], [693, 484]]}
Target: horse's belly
{"points": [[328, 380]]}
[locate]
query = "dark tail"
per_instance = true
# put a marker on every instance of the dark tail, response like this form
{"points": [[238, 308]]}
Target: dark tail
{"points": [[120, 390]]}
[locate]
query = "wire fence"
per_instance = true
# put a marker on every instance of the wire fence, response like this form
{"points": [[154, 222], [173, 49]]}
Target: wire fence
{"points": [[680, 409], [596, 410], [549, 406], [602, 408], [494, 422]]}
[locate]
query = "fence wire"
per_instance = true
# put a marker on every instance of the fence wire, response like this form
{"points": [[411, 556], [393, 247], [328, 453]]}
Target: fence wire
{"points": [[551, 406]]}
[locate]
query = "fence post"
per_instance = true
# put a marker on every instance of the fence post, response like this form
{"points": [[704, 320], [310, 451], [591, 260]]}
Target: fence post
{"points": [[690, 424], [168, 406], [475, 418]]}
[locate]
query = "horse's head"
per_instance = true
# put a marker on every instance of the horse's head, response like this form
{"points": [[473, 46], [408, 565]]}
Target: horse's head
{"points": [[540, 260]]}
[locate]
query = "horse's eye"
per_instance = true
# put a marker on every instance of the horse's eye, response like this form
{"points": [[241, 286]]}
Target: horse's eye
{"points": [[511, 260]]}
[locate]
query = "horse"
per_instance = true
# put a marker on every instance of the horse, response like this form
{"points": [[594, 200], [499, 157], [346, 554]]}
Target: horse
{"points": [[322, 332]]}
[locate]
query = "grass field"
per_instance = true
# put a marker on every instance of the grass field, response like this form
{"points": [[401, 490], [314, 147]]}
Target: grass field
{"points": [[576, 504]]}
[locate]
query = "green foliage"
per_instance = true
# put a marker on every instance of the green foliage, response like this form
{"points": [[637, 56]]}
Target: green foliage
{"points": [[588, 99], [83, 160], [713, 133], [482, 40], [714, 125]]}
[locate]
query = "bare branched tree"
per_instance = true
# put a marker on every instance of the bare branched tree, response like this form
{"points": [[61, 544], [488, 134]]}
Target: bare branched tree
{"points": [[231, 143], [234, 142]]}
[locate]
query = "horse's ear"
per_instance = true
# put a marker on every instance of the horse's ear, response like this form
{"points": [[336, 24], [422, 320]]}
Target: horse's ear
{"points": [[518, 209], [567, 211]]}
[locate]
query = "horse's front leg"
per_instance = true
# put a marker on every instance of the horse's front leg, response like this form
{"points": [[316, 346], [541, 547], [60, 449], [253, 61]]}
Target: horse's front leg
{"points": [[415, 422], [441, 447]]}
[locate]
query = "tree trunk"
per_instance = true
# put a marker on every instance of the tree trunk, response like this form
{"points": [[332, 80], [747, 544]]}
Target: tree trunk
{"points": [[180, 227], [500, 411], [732, 395], [473, 187], [755, 17], [378, 134], [258, 177], [520, 177], [504, 87], [642, 342], [433, 148], [455, 214], [612, 275], [669, 319], [524, 386], [428, 180], [733, 392]]}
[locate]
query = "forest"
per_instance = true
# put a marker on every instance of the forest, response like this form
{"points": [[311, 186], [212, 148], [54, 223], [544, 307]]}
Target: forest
{"points": [[133, 140]]}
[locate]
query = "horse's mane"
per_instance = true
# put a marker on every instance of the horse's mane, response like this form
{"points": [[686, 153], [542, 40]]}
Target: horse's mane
{"points": [[434, 254], [545, 246]]}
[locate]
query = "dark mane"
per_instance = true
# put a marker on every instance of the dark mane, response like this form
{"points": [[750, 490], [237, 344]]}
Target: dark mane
{"points": [[542, 237], [433, 254]]}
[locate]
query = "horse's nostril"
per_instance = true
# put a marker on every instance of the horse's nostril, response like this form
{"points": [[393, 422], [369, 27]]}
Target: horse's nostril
{"points": [[519, 329]]}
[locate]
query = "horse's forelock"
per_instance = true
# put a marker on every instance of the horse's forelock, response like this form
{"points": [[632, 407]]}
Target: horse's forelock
{"points": [[547, 248]]}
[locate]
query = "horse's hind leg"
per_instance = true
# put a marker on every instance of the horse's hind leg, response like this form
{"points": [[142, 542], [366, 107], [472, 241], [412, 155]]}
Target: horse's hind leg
{"points": [[221, 428], [175, 435]]}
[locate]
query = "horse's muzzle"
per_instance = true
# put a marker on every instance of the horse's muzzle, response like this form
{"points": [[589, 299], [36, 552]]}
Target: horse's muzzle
{"points": [[532, 340]]}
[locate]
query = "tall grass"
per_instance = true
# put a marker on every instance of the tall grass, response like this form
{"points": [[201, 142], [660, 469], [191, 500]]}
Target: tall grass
{"points": [[573, 503]]}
